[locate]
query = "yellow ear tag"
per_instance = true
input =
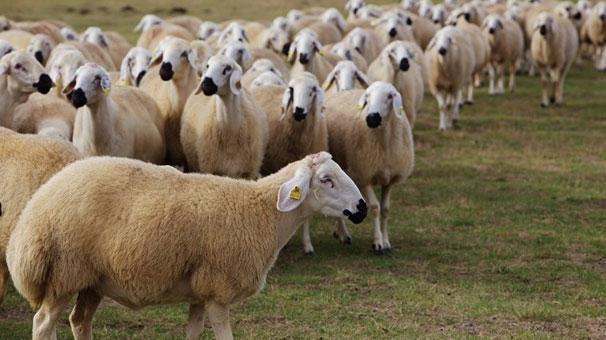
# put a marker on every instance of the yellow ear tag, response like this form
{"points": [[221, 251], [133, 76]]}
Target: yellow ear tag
{"points": [[321, 53], [358, 107], [106, 91], [123, 82], [325, 85], [295, 193]]}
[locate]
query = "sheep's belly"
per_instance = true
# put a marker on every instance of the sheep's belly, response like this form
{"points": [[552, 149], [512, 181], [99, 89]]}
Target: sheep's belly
{"points": [[179, 293]]}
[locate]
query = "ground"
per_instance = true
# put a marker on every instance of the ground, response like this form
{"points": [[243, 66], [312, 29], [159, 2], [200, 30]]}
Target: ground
{"points": [[498, 233]]}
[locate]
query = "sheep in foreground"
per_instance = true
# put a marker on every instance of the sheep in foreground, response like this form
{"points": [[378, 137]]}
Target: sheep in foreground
{"points": [[450, 65], [134, 66], [45, 115], [374, 144], [297, 126], [554, 48], [224, 131], [20, 76], [344, 77], [401, 64], [507, 48], [305, 55], [27, 162], [112, 244], [123, 121]]}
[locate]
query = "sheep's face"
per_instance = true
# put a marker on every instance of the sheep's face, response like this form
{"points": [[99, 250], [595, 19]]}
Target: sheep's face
{"points": [[69, 34], [568, 10], [333, 193], [392, 25], [40, 46], [333, 16], [267, 78], [234, 32], [399, 56], [344, 77], [134, 66], [208, 29], [353, 6], [294, 15], [90, 84], [426, 10], [343, 50], [94, 35], [304, 48], [5, 24], [493, 24], [175, 56], [25, 72], [600, 10], [64, 68], [380, 101], [237, 51], [438, 15], [276, 40], [222, 75], [409, 5], [369, 12], [442, 42], [304, 95], [544, 24], [148, 21], [358, 39], [281, 23], [5, 48], [265, 65]]}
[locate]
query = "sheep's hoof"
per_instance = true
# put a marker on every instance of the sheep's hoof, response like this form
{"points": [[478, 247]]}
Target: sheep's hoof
{"points": [[552, 100], [309, 252], [455, 124], [460, 105], [378, 249], [468, 102], [543, 105], [347, 241], [335, 235]]}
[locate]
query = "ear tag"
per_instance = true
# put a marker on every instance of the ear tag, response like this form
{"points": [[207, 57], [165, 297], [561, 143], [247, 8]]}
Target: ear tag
{"points": [[358, 107], [295, 193], [401, 109], [106, 91], [325, 85], [321, 53], [122, 82]]}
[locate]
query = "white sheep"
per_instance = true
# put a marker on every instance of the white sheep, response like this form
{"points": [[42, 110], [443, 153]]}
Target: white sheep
{"points": [[112, 244], [123, 121], [344, 77], [272, 38], [208, 31], [45, 115], [401, 64], [41, 46], [594, 32], [259, 67], [134, 66], [391, 27], [374, 143], [347, 52], [5, 48], [62, 65], [223, 131], [439, 14], [367, 42], [232, 33], [265, 79], [554, 48], [305, 55], [69, 34], [352, 7]]}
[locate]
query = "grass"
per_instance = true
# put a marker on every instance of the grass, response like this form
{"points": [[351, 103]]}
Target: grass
{"points": [[498, 233]]}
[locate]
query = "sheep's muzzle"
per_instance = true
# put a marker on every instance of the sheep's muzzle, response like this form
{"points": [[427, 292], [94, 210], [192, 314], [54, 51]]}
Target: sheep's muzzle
{"points": [[491, 30], [209, 87], [166, 71], [299, 114], [442, 51], [77, 98], [286, 48], [404, 64], [44, 84], [373, 120], [393, 32], [359, 215], [303, 58], [543, 30]]}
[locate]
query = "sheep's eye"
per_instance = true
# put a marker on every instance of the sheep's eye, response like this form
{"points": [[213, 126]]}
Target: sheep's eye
{"points": [[227, 69], [327, 180], [18, 66], [390, 97]]}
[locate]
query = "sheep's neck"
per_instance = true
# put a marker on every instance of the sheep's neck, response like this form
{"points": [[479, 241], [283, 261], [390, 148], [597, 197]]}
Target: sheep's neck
{"points": [[10, 97], [184, 83], [97, 128], [228, 109]]}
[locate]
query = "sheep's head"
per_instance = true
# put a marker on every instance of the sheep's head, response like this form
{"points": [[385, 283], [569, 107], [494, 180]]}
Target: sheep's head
{"points": [[568, 10], [369, 12], [265, 65], [344, 76], [398, 55], [5, 24], [443, 41], [147, 22], [90, 84], [409, 5], [26, 74], [304, 47], [380, 102], [294, 15], [426, 9], [353, 6], [63, 66], [134, 66], [492, 24], [233, 32], [334, 194], [267, 78], [438, 14], [222, 75], [333, 16], [584, 5], [5, 48], [305, 95], [544, 23], [392, 25], [175, 56], [358, 38], [281, 23], [276, 40], [343, 51], [600, 10], [237, 51], [95, 35], [69, 34], [208, 29], [40, 46]]}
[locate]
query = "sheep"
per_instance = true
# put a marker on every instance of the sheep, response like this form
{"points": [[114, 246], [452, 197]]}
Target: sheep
{"points": [[122, 254], [305, 56], [346, 52], [401, 64], [352, 7], [554, 47], [374, 144], [93, 53], [259, 67], [245, 56], [345, 76], [223, 132], [69, 34], [232, 33], [507, 47], [423, 30], [171, 79], [594, 31], [134, 66], [19, 39], [151, 37], [5, 24], [391, 27], [40, 46], [273, 39], [439, 14], [367, 42], [62, 65], [27, 162], [123, 121], [5, 48], [112, 42], [20, 76], [450, 64], [189, 22], [147, 22], [208, 31], [44, 115]]}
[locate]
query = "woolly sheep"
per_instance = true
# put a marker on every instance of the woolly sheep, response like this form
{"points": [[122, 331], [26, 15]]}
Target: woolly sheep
{"points": [[439, 14], [401, 64], [19, 39], [62, 65], [273, 39], [346, 52], [344, 77], [367, 42], [232, 33], [224, 131], [5, 48], [40, 46], [69, 34], [305, 55], [507, 48], [123, 121], [93, 53], [134, 66], [114, 245], [151, 37], [554, 47], [259, 67], [27, 162], [265, 79], [392, 27], [374, 144], [352, 7], [112, 42], [44, 115]]}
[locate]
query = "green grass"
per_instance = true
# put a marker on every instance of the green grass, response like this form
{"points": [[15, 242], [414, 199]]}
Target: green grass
{"points": [[498, 233]]}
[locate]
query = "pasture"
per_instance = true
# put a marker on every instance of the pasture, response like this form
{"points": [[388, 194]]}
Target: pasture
{"points": [[499, 232]]}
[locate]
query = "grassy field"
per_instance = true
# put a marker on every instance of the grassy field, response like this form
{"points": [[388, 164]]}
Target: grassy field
{"points": [[500, 232]]}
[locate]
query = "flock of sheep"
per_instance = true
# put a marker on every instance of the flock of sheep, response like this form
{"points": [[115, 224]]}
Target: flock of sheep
{"points": [[217, 135]]}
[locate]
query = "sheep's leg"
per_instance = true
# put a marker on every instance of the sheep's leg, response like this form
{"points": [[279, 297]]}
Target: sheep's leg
{"points": [[559, 92], [375, 210], [491, 77], [308, 248], [477, 79], [341, 233], [544, 82], [501, 79], [454, 110], [440, 98], [470, 90], [3, 280], [555, 84], [218, 315], [195, 323], [81, 317], [385, 205], [512, 76], [45, 321]]}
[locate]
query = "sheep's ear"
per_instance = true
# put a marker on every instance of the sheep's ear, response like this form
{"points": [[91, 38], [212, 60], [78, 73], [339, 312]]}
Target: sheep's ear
{"points": [[398, 110], [319, 101], [330, 80], [292, 53], [70, 87], [192, 57], [362, 79], [286, 101], [106, 84], [125, 70], [157, 58], [362, 102], [244, 35], [293, 192], [317, 46], [234, 80]]}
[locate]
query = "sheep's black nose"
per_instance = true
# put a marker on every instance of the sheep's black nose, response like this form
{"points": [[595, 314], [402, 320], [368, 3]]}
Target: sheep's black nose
{"points": [[38, 55], [139, 77], [359, 215], [578, 16], [491, 30], [467, 17], [77, 98], [303, 59], [286, 48], [442, 51], [166, 71], [299, 114], [603, 17], [355, 11], [436, 21], [373, 120], [543, 30], [209, 87], [408, 21], [393, 32], [404, 64], [44, 84]]}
